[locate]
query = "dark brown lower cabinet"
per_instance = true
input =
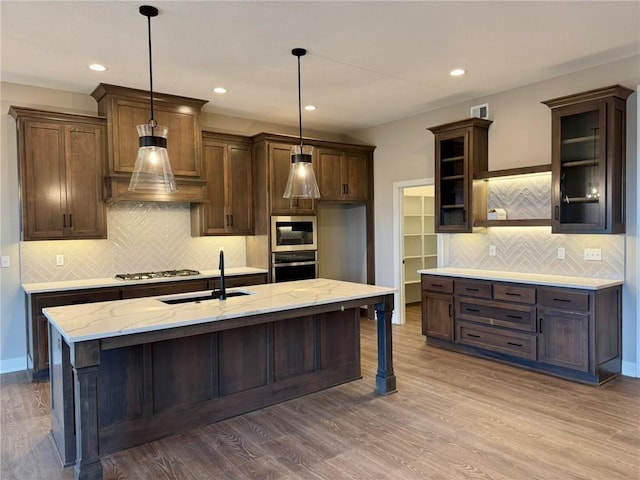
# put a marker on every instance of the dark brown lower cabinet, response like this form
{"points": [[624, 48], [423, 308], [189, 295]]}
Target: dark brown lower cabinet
{"points": [[37, 325], [568, 332], [195, 375], [437, 307]]}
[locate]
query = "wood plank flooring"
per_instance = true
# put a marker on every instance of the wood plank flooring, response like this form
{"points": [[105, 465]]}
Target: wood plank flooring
{"points": [[454, 417]]}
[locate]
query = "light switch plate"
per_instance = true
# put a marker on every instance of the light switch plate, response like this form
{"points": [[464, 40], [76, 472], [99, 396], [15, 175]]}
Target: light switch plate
{"points": [[59, 260], [561, 253], [492, 250], [6, 261], [593, 254]]}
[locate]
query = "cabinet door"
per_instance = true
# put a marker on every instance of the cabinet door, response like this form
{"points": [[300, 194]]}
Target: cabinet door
{"points": [[330, 179], [213, 214], [563, 338], [357, 176], [240, 190], [182, 144], [84, 153], [579, 167], [437, 315], [42, 175], [452, 184], [279, 166]]}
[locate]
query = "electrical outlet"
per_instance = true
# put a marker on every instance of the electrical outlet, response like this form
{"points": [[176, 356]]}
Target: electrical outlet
{"points": [[593, 254], [6, 261], [492, 250], [59, 260], [561, 253]]}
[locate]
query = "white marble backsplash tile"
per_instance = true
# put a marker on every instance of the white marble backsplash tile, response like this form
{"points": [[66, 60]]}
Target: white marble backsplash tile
{"points": [[141, 237], [534, 250]]}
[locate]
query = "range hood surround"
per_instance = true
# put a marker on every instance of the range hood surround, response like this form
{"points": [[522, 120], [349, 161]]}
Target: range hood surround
{"points": [[124, 108]]}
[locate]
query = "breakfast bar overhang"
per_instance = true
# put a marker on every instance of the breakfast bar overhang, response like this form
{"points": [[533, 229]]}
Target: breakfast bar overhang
{"points": [[129, 372]]}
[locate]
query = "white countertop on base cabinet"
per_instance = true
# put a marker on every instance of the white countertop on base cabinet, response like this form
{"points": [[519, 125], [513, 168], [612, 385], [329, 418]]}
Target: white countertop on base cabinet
{"points": [[524, 277]]}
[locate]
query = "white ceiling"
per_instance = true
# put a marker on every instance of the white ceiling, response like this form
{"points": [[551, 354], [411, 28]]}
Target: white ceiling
{"points": [[368, 63]]}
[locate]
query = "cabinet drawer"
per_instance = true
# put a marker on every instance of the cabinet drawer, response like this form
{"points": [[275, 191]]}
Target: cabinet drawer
{"points": [[437, 284], [165, 288], [566, 299], [507, 315], [513, 293], [497, 340], [473, 288], [75, 297]]}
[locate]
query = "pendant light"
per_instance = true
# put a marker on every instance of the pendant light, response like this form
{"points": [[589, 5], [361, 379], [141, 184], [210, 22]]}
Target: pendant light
{"points": [[302, 181], [152, 172]]}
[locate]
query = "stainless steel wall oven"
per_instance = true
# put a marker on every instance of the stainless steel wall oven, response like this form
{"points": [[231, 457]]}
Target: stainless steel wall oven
{"points": [[296, 265]]}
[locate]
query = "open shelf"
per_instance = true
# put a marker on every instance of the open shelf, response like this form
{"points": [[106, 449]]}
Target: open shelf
{"points": [[528, 222]]}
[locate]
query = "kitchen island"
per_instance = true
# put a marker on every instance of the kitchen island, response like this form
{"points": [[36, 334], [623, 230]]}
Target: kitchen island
{"points": [[128, 372]]}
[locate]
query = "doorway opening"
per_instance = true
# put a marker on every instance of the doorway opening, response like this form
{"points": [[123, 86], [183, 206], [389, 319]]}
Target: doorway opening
{"points": [[417, 246]]}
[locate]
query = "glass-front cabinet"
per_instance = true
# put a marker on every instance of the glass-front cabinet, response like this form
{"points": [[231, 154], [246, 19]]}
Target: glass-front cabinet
{"points": [[588, 161], [461, 149]]}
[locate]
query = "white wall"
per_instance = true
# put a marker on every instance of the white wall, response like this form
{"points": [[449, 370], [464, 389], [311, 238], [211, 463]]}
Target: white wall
{"points": [[520, 136]]}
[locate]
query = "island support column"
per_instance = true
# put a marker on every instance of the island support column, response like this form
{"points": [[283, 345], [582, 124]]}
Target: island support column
{"points": [[85, 360], [385, 377]]}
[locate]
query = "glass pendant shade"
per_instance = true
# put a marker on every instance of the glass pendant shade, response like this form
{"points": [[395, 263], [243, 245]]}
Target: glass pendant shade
{"points": [[302, 180], [152, 171]]}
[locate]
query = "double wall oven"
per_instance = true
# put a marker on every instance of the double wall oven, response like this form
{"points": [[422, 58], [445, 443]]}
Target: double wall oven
{"points": [[294, 248]]}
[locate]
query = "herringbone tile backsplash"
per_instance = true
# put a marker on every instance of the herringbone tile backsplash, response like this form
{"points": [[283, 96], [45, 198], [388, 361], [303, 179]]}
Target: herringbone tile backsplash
{"points": [[141, 237], [534, 249]]}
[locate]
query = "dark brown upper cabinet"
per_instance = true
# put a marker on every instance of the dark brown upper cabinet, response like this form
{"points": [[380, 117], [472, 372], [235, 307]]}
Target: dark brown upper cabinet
{"points": [[461, 149], [588, 143], [227, 168], [125, 109], [60, 163], [343, 174]]}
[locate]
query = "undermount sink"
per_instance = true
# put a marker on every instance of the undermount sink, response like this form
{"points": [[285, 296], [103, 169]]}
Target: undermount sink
{"points": [[202, 298]]}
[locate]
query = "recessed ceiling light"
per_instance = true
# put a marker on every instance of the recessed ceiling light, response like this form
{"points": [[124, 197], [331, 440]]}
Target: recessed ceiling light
{"points": [[310, 108], [96, 67], [457, 72], [219, 90]]}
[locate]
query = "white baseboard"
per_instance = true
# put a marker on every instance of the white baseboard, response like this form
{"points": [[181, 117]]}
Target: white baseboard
{"points": [[13, 364], [630, 369]]}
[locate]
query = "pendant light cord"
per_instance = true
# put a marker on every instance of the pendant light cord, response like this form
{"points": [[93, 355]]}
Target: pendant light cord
{"points": [[152, 121], [299, 104]]}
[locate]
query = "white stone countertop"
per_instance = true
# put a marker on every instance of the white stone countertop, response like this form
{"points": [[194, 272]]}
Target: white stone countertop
{"points": [[100, 320], [523, 277], [116, 282]]}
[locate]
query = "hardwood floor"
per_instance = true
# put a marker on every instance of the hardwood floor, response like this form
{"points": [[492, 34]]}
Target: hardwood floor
{"points": [[454, 417]]}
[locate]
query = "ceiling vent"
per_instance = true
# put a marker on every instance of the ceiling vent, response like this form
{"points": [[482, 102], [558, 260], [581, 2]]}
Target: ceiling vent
{"points": [[480, 111]]}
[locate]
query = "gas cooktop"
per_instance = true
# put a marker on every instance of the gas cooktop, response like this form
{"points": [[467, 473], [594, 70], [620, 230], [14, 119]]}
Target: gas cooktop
{"points": [[185, 272]]}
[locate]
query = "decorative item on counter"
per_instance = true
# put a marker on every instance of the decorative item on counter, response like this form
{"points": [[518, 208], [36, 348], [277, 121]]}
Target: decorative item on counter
{"points": [[497, 214]]}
